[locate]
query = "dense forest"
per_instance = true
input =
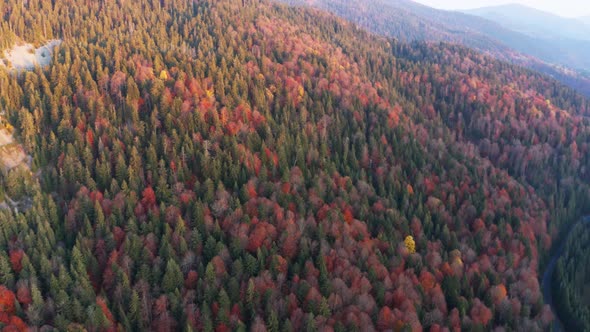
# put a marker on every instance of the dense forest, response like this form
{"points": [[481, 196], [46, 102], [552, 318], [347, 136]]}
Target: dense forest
{"points": [[244, 165], [410, 21], [571, 280]]}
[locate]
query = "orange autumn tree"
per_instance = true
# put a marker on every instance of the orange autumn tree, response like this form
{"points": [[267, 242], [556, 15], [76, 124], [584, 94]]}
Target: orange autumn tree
{"points": [[7, 312]]}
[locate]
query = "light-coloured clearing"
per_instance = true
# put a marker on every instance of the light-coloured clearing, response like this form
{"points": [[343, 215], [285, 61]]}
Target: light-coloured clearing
{"points": [[11, 156], [26, 56], [11, 153], [5, 137]]}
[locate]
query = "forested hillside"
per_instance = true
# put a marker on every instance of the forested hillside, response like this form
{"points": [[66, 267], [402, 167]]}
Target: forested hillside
{"points": [[570, 280], [244, 165], [565, 59]]}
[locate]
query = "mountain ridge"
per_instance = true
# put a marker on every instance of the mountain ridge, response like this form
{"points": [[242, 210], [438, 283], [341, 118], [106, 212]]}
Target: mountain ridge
{"points": [[534, 22], [408, 20]]}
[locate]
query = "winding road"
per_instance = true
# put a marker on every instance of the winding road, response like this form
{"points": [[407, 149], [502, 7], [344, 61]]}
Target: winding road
{"points": [[547, 275]]}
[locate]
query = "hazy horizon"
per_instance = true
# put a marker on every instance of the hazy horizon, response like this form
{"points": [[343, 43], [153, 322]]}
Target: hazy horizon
{"points": [[565, 8]]}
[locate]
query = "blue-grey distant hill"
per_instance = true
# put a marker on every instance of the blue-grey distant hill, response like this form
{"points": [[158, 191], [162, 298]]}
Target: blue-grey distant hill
{"points": [[536, 23]]}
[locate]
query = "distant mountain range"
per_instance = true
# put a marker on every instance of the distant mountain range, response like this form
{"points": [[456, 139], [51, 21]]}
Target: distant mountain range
{"points": [[556, 39], [536, 23], [566, 59]]}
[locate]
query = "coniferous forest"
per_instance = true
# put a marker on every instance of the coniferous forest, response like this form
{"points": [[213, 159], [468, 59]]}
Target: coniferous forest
{"points": [[227, 165], [571, 277]]}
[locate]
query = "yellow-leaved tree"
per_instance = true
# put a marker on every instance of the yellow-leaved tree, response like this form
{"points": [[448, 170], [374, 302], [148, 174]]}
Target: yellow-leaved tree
{"points": [[410, 244]]}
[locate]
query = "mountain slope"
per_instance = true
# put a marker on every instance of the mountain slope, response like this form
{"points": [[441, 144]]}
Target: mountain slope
{"points": [[237, 165], [533, 22], [410, 21]]}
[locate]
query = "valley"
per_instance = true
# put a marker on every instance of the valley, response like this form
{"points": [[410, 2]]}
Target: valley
{"points": [[229, 165], [548, 275]]}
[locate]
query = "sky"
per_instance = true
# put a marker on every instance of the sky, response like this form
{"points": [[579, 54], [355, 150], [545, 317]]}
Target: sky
{"points": [[566, 8]]}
